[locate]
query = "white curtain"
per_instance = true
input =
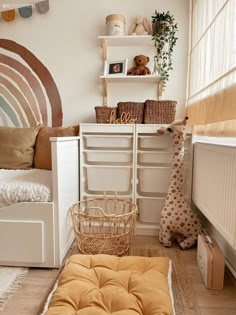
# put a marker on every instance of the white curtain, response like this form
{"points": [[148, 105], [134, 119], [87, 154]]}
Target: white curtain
{"points": [[212, 68]]}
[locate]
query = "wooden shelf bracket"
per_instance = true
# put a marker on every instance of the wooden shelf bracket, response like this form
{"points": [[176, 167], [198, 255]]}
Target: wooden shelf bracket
{"points": [[105, 97]]}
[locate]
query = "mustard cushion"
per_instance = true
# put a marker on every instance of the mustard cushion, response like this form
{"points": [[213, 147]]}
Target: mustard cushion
{"points": [[42, 157], [17, 147], [105, 284]]}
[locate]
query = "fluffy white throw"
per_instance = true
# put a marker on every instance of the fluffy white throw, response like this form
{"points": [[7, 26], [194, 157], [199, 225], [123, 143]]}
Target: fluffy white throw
{"points": [[25, 186]]}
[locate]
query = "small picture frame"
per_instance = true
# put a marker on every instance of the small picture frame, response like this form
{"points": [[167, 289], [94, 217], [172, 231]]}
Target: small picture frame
{"points": [[116, 67]]}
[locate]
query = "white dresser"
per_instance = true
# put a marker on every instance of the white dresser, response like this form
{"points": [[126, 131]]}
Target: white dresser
{"points": [[134, 162]]}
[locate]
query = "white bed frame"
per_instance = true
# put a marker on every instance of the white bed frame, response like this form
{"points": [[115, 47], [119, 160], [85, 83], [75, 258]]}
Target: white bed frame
{"points": [[39, 234]]}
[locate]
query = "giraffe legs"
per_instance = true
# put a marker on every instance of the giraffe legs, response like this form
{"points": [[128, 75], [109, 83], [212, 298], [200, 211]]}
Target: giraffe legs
{"points": [[188, 242], [161, 235], [179, 238], [165, 238]]}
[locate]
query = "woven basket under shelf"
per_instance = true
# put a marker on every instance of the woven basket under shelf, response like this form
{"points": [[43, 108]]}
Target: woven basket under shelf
{"points": [[159, 112], [103, 114], [104, 225], [135, 109]]}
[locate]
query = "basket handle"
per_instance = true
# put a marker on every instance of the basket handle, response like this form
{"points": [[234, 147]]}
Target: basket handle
{"points": [[97, 208], [105, 193]]}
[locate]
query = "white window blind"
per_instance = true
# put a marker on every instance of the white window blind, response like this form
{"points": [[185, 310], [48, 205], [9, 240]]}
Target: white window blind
{"points": [[212, 69]]}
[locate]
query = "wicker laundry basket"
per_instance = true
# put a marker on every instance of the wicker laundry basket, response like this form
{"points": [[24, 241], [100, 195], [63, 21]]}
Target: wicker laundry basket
{"points": [[104, 225], [135, 109], [103, 114], [159, 112]]}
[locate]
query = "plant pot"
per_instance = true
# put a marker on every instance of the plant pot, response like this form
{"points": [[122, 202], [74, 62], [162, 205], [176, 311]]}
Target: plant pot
{"points": [[160, 27]]}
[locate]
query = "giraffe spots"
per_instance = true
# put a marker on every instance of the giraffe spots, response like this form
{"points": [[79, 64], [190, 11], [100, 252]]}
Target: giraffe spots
{"points": [[179, 218]]}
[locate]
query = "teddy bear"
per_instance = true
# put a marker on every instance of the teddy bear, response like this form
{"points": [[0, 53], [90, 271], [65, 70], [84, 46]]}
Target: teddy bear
{"points": [[140, 26], [140, 66]]}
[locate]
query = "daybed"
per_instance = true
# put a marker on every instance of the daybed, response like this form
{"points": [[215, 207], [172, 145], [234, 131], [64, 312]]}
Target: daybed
{"points": [[39, 234]]}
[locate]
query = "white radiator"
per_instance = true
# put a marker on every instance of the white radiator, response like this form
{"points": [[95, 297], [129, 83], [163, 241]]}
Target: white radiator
{"points": [[214, 186]]}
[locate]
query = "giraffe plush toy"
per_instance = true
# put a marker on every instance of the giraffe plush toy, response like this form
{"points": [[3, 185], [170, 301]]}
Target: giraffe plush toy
{"points": [[178, 220]]}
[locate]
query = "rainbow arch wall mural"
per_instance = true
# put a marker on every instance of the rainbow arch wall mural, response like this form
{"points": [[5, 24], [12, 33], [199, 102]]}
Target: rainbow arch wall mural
{"points": [[28, 93]]}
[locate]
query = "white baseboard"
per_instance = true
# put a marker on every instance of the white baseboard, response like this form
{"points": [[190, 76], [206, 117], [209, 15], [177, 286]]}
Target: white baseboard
{"points": [[231, 269], [147, 229]]}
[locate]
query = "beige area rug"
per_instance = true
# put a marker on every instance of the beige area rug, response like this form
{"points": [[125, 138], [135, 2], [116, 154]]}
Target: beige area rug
{"points": [[11, 279], [184, 299]]}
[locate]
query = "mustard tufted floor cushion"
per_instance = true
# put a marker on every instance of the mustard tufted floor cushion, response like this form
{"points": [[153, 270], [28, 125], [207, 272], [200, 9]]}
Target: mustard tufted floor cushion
{"points": [[105, 284]]}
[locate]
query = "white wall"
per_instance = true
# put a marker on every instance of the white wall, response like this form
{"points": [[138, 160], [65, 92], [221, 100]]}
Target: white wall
{"points": [[65, 41]]}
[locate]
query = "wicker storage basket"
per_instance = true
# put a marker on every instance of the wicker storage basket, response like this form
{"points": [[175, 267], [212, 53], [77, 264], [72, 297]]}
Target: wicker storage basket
{"points": [[103, 225], [159, 112], [134, 108], [103, 114]]}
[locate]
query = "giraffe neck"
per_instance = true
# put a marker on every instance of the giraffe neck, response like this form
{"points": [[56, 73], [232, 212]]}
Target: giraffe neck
{"points": [[177, 173]]}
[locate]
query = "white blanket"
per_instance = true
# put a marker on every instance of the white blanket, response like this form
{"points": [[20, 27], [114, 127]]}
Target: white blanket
{"points": [[25, 186]]}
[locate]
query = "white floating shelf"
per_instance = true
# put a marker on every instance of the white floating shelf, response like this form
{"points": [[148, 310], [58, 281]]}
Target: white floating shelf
{"points": [[131, 78], [127, 40]]}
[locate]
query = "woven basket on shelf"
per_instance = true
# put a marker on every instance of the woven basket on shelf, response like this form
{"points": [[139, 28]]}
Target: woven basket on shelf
{"points": [[159, 112], [103, 225], [135, 109], [103, 114]]}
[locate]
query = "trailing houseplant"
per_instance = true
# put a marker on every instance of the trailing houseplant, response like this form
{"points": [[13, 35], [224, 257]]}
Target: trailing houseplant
{"points": [[164, 31]]}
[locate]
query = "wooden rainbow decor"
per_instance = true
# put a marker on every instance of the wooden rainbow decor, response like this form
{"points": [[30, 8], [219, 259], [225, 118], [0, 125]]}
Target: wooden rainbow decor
{"points": [[28, 93]]}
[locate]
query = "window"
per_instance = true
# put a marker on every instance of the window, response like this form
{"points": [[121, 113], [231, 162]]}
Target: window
{"points": [[212, 67]]}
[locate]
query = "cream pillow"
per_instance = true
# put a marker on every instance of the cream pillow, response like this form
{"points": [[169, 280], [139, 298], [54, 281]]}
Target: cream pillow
{"points": [[42, 157], [17, 147]]}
